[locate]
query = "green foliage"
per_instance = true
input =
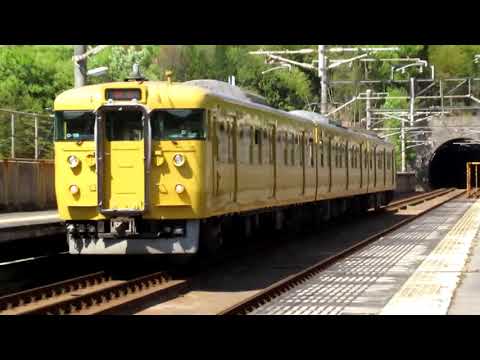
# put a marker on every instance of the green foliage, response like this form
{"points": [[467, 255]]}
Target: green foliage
{"points": [[454, 60], [31, 76]]}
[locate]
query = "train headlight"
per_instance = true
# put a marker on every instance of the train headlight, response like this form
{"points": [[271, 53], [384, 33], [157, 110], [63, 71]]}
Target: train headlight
{"points": [[74, 189], [179, 160], [73, 161], [179, 188]]}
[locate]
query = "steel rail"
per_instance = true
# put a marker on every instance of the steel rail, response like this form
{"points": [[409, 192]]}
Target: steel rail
{"points": [[31, 296], [417, 199], [282, 286], [90, 295]]}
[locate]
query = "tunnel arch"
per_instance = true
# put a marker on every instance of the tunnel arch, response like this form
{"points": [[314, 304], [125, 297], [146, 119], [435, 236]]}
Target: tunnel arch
{"points": [[447, 166]]}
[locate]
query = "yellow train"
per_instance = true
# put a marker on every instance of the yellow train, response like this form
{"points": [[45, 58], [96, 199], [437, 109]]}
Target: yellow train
{"points": [[173, 168]]}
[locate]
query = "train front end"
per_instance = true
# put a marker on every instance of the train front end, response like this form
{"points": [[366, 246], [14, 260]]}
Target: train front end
{"points": [[129, 161]]}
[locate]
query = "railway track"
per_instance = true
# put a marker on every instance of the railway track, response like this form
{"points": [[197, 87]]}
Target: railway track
{"points": [[98, 293], [418, 199], [287, 284], [92, 294]]}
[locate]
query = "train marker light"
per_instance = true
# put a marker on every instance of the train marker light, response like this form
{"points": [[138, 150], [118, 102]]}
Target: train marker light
{"points": [[178, 160], [74, 189], [73, 161], [179, 188]]}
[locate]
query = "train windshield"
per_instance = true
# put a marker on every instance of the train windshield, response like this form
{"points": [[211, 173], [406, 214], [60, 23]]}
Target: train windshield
{"points": [[74, 126], [178, 124], [124, 125]]}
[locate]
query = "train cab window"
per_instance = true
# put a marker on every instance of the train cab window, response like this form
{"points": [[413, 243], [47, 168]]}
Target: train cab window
{"points": [[74, 126], [176, 125], [124, 125]]}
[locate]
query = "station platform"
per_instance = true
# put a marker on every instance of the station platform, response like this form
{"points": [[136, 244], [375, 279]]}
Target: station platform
{"points": [[427, 267], [25, 225]]}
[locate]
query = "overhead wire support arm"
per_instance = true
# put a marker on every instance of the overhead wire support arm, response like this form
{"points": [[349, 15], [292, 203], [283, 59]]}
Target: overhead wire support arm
{"points": [[341, 49], [92, 51]]}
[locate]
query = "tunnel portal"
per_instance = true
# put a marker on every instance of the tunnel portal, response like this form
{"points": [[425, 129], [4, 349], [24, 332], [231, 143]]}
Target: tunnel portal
{"points": [[447, 167]]}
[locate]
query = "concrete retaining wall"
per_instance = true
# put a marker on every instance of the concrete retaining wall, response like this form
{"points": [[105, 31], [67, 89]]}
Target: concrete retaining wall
{"points": [[27, 185]]}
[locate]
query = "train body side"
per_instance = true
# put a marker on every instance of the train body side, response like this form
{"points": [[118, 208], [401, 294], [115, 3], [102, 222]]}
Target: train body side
{"points": [[251, 159]]}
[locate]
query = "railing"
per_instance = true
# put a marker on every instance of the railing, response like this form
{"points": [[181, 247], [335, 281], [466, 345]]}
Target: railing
{"points": [[25, 135]]}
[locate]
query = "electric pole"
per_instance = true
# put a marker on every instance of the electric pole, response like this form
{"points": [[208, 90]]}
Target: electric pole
{"points": [[80, 65], [323, 74]]}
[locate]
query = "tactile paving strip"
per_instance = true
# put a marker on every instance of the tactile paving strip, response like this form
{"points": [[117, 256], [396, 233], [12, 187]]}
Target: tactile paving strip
{"points": [[364, 282], [430, 289]]}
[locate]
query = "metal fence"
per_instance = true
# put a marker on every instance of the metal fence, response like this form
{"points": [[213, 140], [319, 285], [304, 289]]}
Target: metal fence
{"points": [[25, 135]]}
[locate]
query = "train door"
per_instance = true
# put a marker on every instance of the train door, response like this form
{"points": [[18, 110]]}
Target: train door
{"points": [[303, 142], [384, 155], [224, 158], [123, 140], [393, 168], [347, 165], [374, 151], [360, 154], [330, 165], [272, 128]]}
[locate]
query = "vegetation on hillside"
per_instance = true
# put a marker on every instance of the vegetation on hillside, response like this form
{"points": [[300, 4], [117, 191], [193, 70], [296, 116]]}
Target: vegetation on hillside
{"points": [[31, 76]]}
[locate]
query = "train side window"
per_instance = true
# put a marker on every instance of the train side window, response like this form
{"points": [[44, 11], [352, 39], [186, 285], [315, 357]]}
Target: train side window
{"points": [[292, 149], [221, 150], [285, 148], [216, 138], [342, 155], [311, 152], [251, 143], [257, 137], [271, 139], [301, 149], [352, 160], [230, 142], [335, 150], [322, 151], [366, 159], [337, 153]]}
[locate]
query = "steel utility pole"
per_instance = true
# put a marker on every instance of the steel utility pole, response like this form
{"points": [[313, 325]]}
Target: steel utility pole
{"points": [[80, 66], [323, 74]]}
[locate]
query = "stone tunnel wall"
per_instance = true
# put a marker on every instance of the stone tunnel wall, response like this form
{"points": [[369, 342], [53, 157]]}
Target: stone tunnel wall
{"points": [[440, 135], [27, 185]]}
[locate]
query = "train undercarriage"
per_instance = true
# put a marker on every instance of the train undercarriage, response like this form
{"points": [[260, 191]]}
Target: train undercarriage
{"points": [[138, 236]]}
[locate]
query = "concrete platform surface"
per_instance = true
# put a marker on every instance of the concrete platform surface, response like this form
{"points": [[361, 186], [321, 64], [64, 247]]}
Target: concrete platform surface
{"points": [[16, 219], [27, 225], [466, 300], [414, 270]]}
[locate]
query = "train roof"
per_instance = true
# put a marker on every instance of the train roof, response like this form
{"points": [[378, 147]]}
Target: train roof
{"points": [[93, 96]]}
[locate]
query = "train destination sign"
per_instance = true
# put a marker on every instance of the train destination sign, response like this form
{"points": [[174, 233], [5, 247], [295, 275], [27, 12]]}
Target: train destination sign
{"points": [[123, 94]]}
